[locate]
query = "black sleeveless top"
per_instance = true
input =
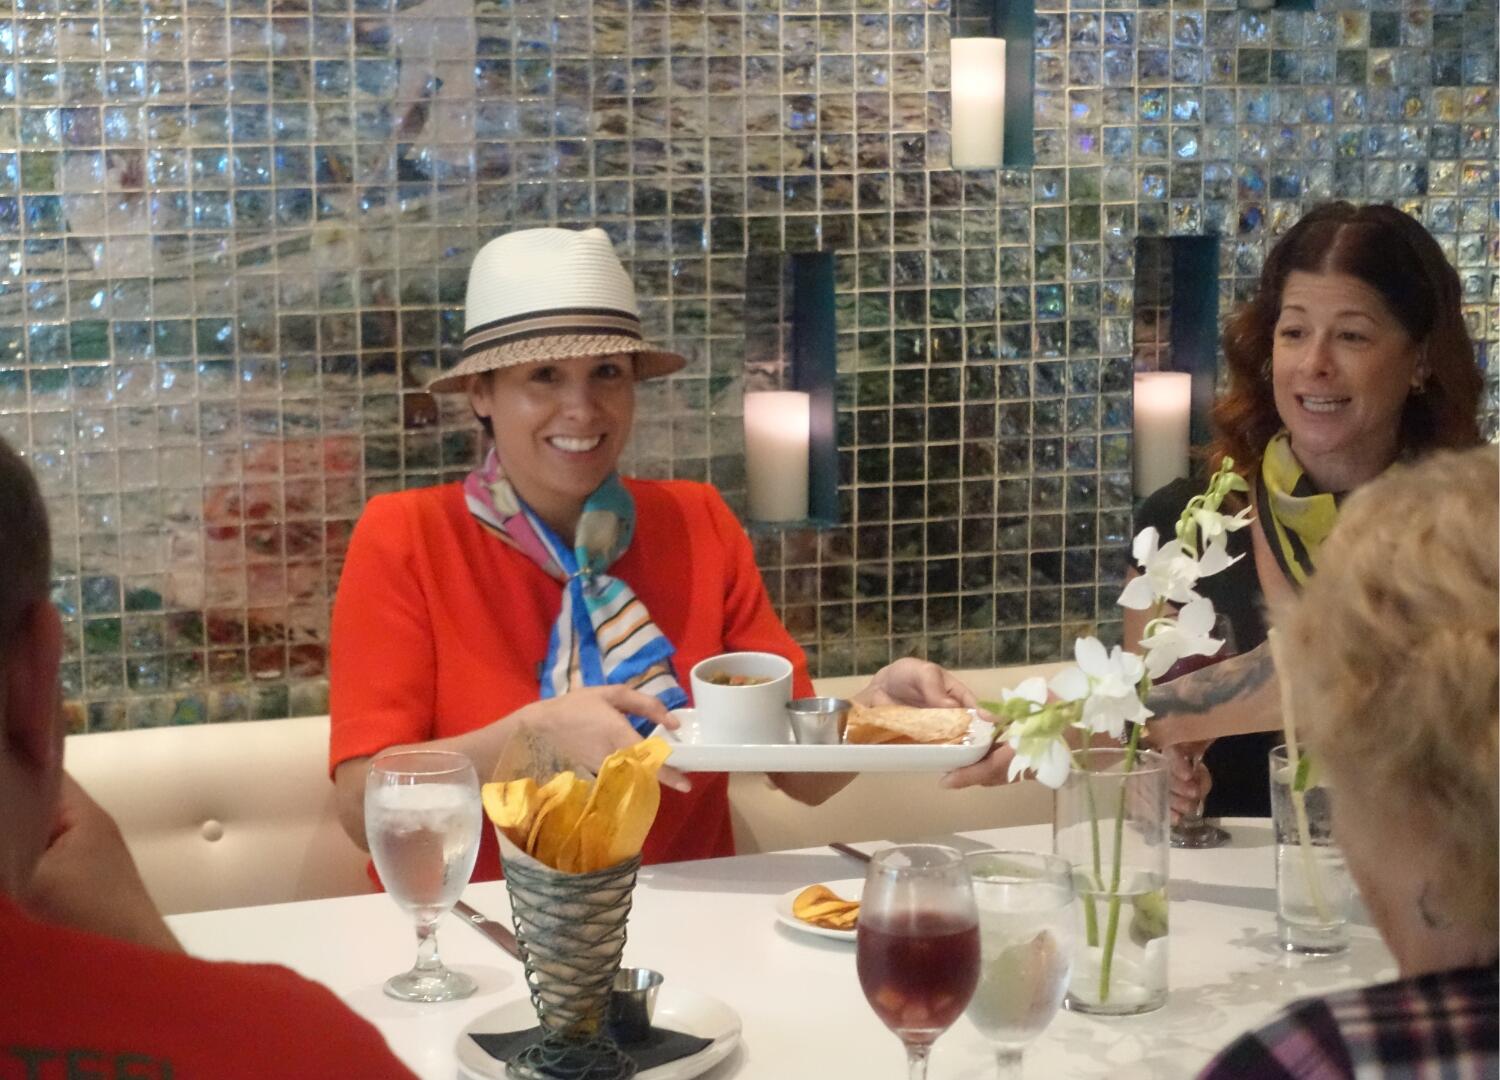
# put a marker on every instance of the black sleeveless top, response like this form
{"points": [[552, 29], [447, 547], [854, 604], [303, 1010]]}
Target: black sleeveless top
{"points": [[1241, 775]]}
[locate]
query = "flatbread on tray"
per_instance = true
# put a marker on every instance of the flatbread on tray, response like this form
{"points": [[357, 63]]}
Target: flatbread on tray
{"points": [[904, 724]]}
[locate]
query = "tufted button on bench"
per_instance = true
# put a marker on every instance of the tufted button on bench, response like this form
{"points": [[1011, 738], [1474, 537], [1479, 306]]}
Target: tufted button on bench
{"points": [[224, 815]]}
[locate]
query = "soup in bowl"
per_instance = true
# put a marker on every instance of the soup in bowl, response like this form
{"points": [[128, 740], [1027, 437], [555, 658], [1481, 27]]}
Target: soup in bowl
{"points": [[740, 698]]}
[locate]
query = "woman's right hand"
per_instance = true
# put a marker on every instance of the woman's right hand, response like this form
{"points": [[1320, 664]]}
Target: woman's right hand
{"points": [[919, 683], [585, 726], [1190, 778]]}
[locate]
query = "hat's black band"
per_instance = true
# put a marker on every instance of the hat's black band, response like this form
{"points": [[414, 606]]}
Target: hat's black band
{"points": [[554, 323]]}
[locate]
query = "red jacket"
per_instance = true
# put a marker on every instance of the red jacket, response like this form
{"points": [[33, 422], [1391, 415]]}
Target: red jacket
{"points": [[440, 628]]}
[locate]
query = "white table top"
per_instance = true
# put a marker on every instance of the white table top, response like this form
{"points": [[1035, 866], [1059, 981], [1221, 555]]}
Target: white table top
{"points": [[711, 927]]}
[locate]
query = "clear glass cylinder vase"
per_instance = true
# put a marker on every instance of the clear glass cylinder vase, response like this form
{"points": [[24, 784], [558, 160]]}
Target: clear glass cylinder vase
{"points": [[1111, 821], [1313, 887]]}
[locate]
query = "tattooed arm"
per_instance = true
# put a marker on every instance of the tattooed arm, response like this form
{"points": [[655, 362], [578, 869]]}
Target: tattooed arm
{"points": [[1233, 697]]}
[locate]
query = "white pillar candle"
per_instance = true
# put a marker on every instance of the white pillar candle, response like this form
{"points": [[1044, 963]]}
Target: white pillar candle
{"points": [[776, 453], [977, 78], [1163, 405]]}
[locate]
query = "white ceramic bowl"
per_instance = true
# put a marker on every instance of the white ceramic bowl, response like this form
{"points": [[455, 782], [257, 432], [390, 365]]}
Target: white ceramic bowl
{"points": [[743, 715]]}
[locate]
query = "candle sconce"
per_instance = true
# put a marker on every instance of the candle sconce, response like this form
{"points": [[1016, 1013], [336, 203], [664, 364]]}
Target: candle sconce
{"points": [[791, 441], [991, 74], [1177, 286]]}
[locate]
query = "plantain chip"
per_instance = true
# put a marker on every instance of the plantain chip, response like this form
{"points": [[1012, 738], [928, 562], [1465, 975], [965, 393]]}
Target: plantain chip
{"points": [[511, 806], [835, 920], [845, 920], [561, 824], [548, 796], [623, 804], [652, 753], [813, 894], [821, 906], [576, 826], [633, 816], [820, 913]]}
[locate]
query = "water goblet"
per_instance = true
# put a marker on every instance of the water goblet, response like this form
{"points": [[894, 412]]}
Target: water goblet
{"points": [[1027, 939], [422, 818], [917, 947], [1192, 830]]}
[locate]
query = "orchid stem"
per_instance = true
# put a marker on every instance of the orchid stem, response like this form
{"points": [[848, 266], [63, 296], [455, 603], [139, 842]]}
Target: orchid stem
{"points": [[1299, 798], [1112, 928], [1090, 917]]}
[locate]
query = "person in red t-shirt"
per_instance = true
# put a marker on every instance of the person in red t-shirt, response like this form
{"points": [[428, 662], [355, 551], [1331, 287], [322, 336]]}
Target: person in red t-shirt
{"points": [[96, 984], [546, 597]]}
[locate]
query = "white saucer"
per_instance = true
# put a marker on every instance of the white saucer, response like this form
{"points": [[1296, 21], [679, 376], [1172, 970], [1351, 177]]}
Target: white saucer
{"points": [[678, 1010], [851, 889]]}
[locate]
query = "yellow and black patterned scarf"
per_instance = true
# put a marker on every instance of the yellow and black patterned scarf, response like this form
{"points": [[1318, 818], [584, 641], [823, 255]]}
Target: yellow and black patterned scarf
{"points": [[1300, 516]]}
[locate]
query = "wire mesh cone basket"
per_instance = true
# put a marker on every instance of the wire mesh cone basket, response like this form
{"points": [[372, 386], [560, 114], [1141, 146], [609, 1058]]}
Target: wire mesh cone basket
{"points": [[571, 930]]}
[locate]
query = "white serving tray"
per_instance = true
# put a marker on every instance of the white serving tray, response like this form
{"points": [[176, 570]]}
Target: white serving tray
{"points": [[689, 754]]}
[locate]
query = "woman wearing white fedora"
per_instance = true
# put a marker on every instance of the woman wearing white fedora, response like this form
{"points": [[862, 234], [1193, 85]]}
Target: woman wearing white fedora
{"points": [[546, 597]]}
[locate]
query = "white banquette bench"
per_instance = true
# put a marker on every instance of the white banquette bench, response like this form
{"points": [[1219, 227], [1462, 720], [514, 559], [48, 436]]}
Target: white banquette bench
{"points": [[235, 814]]}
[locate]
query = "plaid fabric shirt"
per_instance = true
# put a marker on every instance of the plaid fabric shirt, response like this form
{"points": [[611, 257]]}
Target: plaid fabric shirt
{"points": [[1441, 1026]]}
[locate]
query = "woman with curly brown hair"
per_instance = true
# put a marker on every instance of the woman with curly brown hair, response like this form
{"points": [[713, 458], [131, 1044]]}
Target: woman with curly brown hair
{"points": [[1352, 355]]}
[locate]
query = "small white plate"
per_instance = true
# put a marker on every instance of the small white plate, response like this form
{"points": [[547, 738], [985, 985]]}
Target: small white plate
{"points": [[678, 1010], [852, 889], [691, 755]]}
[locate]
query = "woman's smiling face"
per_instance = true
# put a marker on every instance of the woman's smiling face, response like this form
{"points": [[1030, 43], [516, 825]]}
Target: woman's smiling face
{"points": [[560, 427], [1342, 367]]}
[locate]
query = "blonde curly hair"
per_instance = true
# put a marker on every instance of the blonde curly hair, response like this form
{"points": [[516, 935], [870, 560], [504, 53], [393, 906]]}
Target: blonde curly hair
{"points": [[1396, 670]]}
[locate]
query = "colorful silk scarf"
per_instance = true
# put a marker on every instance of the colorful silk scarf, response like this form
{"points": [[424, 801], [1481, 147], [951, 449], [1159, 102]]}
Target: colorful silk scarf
{"points": [[604, 634], [1301, 516]]}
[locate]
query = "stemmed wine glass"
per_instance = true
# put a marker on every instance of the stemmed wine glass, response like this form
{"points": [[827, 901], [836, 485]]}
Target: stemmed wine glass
{"points": [[917, 949], [1192, 830], [1027, 939], [422, 818]]}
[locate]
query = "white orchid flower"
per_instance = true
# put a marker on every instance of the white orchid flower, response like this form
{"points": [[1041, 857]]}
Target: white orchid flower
{"points": [[1033, 690], [1189, 634], [1216, 557], [1212, 524], [1036, 734], [1114, 697], [1103, 692], [1167, 573], [1071, 684], [1051, 761], [1039, 745]]}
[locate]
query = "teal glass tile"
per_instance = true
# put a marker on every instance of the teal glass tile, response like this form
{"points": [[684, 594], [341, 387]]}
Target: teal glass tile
{"points": [[309, 188]]}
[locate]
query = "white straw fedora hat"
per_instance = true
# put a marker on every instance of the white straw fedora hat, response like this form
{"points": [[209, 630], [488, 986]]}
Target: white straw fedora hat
{"points": [[550, 294]]}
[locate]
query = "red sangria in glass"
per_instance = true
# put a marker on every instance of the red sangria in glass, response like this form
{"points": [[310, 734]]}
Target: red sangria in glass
{"points": [[918, 944]]}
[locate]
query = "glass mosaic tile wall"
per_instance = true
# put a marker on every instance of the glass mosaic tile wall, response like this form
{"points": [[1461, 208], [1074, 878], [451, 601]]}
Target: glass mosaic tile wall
{"points": [[234, 235]]}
